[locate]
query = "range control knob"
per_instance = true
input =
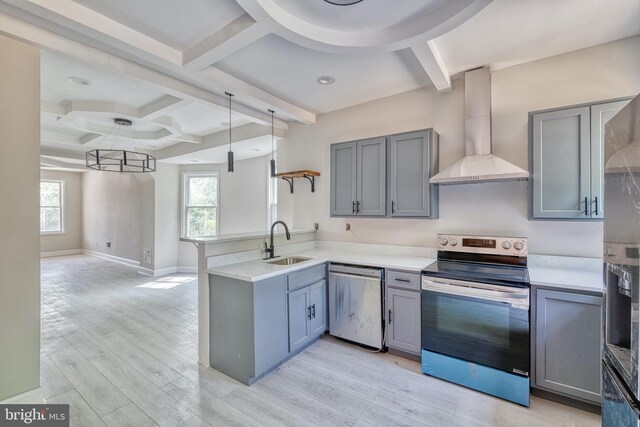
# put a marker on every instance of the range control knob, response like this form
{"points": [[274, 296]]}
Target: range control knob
{"points": [[453, 242], [443, 241], [518, 246], [506, 245]]}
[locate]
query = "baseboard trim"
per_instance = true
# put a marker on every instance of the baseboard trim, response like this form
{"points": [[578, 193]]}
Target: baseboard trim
{"points": [[60, 253], [187, 269], [113, 258], [32, 396]]}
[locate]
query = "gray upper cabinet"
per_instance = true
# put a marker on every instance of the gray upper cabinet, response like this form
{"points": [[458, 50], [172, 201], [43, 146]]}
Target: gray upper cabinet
{"points": [[371, 177], [567, 161], [413, 159], [343, 179], [358, 178], [568, 344], [561, 161], [361, 185], [600, 115]]}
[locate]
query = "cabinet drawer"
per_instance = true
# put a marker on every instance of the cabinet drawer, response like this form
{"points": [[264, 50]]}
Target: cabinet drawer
{"points": [[305, 277], [403, 280]]}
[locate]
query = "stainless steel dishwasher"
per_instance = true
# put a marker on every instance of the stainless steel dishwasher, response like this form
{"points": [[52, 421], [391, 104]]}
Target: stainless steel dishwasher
{"points": [[355, 304]]}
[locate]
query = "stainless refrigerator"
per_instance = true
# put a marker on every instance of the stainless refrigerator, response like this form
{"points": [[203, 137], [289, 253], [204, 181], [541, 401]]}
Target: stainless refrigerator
{"points": [[621, 361]]}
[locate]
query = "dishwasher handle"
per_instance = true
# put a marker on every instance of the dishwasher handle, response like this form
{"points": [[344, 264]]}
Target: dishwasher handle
{"points": [[355, 270], [353, 276]]}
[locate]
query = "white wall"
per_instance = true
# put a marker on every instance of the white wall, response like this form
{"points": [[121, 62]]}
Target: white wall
{"points": [[19, 218], [167, 215], [242, 200], [602, 72], [72, 213], [112, 211]]}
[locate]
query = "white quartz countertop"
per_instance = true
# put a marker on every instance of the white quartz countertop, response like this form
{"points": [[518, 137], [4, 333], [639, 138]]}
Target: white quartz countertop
{"points": [[253, 271], [567, 278], [243, 236], [553, 272]]}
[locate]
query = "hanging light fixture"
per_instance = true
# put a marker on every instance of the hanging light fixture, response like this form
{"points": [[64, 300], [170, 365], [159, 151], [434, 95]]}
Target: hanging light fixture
{"points": [[230, 153], [273, 160], [120, 160]]}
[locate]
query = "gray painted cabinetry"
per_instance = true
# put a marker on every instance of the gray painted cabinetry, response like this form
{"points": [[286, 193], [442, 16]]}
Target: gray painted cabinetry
{"points": [[413, 159], [567, 161], [385, 176], [307, 314], [403, 311], [255, 326], [568, 344], [358, 178]]}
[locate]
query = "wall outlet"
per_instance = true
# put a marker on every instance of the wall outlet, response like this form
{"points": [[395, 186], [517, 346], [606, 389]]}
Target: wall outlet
{"points": [[347, 226], [108, 244], [146, 256]]}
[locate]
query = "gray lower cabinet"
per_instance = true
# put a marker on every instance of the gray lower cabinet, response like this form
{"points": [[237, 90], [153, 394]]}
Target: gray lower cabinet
{"points": [[568, 344], [413, 159], [567, 161], [402, 317], [248, 326], [307, 314], [358, 178], [255, 326]]}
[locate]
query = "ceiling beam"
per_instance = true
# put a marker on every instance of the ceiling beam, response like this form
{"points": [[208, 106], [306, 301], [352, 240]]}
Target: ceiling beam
{"points": [[217, 139], [282, 108], [162, 106], [238, 34], [430, 59], [111, 63], [48, 22]]}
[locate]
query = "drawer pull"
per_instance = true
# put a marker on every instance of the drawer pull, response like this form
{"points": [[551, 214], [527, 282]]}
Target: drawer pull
{"points": [[399, 279]]}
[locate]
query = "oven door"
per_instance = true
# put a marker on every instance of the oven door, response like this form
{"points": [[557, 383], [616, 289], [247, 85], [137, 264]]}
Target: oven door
{"points": [[481, 323]]}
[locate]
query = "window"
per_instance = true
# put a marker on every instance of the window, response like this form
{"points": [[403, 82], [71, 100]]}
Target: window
{"points": [[51, 202], [200, 213], [272, 196]]}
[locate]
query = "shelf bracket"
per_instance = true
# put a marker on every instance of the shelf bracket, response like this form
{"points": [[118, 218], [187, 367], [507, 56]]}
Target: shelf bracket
{"points": [[290, 181], [312, 180]]}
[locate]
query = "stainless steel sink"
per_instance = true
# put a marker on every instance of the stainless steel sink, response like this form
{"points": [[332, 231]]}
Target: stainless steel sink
{"points": [[289, 260]]}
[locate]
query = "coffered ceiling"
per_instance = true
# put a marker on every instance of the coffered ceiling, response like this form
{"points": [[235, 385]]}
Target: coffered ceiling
{"points": [[166, 64]]}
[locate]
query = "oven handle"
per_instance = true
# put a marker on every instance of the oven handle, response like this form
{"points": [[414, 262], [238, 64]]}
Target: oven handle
{"points": [[517, 297]]}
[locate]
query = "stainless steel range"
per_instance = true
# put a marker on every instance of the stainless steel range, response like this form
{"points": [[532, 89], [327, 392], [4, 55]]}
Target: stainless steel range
{"points": [[475, 315]]}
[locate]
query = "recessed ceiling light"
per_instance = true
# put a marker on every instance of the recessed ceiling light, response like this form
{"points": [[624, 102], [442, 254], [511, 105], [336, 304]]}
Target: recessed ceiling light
{"points": [[325, 80], [193, 161], [343, 2], [224, 123], [79, 81], [254, 149]]}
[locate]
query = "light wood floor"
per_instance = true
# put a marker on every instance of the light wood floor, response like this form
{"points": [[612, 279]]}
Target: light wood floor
{"points": [[120, 348]]}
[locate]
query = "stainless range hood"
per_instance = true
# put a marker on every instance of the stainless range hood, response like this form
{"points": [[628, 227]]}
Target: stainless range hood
{"points": [[479, 165]]}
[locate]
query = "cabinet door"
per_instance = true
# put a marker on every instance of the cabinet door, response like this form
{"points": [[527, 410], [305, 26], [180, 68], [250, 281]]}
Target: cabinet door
{"points": [[600, 115], [403, 320], [299, 311], [561, 164], [343, 179], [371, 177], [410, 171], [568, 343], [318, 301]]}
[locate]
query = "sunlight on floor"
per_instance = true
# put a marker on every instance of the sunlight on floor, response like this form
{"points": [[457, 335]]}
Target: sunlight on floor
{"points": [[167, 283]]}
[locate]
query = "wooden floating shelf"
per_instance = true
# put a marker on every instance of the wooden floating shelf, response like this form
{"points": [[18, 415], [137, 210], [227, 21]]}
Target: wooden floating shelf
{"points": [[308, 174]]}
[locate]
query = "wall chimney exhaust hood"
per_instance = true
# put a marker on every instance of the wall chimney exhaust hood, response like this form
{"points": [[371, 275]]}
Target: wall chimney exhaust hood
{"points": [[479, 165]]}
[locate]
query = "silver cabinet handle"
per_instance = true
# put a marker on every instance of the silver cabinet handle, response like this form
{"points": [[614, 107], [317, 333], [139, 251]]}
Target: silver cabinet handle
{"points": [[398, 279]]}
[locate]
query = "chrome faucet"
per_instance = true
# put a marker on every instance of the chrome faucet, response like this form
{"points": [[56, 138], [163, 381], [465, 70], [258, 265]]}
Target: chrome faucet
{"points": [[271, 250]]}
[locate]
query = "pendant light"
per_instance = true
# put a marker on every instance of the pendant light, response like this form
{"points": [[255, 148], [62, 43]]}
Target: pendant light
{"points": [[230, 153], [273, 161]]}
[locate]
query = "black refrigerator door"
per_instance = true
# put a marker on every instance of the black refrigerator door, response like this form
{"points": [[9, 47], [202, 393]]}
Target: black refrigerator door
{"points": [[618, 407]]}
